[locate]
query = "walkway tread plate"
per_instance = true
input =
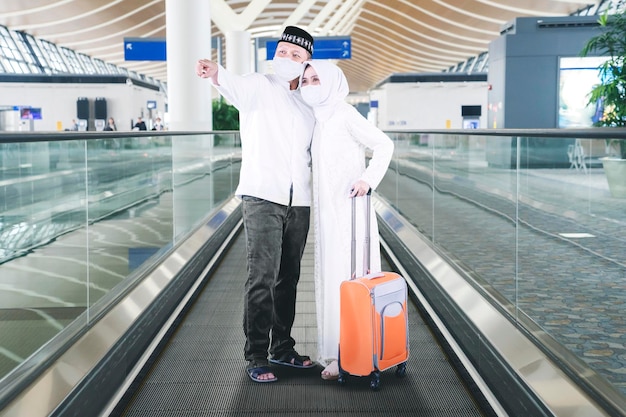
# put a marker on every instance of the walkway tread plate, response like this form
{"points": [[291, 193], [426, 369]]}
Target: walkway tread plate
{"points": [[201, 371]]}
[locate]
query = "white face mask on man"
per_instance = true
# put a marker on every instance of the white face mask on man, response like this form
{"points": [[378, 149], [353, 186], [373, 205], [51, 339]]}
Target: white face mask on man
{"points": [[286, 68], [312, 95]]}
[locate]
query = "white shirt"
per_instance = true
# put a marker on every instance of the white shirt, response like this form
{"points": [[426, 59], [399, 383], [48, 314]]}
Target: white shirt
{"points": [[276, 128]]}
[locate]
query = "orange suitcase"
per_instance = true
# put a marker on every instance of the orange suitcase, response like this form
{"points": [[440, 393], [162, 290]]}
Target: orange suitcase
{"points": [[373, 327]]}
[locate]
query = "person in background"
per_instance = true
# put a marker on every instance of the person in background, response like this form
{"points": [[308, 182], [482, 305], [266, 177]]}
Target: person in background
{"points": [[140, 125], [340, 139], [157, 124], [110, 125], [276, 129]]}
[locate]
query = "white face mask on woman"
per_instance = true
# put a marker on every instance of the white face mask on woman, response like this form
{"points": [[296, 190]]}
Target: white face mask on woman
{"points": [[312, 95], [286, 68]]}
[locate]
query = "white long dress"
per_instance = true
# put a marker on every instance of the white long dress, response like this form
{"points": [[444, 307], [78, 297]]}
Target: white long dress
{"points": [[338, 150]]}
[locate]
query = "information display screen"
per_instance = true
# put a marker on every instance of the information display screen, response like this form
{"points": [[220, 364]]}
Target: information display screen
{"points": [[577, 76]]}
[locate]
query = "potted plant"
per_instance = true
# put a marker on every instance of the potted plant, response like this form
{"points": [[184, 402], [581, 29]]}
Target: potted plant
{"points": [[609, 96]]}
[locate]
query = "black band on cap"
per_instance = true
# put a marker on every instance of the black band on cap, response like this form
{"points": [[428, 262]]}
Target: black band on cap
{"points": [[297, 36]]}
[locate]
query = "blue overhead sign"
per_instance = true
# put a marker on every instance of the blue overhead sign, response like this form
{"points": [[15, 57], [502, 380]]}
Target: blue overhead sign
{"points": [[144, 49], [330, 47]]}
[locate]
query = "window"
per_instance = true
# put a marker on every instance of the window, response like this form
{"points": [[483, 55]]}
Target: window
{"points": [[71, 59], [52, 55]]}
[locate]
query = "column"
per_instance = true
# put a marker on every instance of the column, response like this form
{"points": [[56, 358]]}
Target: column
{"points": [[238, 52], [188, 39], [189, 105]]}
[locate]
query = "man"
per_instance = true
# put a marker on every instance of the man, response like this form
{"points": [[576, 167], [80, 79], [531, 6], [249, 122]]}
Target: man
{"points": [[276, 128], [140, 125]]}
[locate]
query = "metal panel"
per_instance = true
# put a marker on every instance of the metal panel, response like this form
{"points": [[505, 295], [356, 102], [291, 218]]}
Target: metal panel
{"points": [[55, 384], [544, 378]]}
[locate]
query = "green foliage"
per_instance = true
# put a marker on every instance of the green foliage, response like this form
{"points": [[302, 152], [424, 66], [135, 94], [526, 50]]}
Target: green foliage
{"points": [[225, 116], [611, 42]]}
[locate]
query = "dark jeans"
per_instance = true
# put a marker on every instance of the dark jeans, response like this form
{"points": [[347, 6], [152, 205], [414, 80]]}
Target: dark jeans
{"points": [[275, 239]]}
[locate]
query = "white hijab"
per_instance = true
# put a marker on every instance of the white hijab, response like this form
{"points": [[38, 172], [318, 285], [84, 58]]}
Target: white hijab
{"points": [[334, 87]]}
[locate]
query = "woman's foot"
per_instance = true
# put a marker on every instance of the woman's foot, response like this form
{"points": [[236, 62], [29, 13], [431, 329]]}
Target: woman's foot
{"points": [[331, 371]]}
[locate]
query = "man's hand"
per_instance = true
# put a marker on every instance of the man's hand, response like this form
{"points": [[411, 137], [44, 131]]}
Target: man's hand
{"points": [[207, 69]]}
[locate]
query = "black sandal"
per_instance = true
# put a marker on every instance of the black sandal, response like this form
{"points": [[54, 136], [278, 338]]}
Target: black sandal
{"points": [[255, 369], [294, 360], [255, 372]]}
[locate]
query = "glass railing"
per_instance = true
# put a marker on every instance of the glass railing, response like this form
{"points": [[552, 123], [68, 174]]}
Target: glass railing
{"points": [[82, 213], [531, 219]]}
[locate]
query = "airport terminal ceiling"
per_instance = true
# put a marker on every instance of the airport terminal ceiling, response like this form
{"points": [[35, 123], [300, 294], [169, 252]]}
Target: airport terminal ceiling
{"points": [[387, 36]]}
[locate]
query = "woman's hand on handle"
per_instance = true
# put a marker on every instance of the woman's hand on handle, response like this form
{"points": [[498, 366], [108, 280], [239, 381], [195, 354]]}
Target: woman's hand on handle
{"points": [[359, 189]]}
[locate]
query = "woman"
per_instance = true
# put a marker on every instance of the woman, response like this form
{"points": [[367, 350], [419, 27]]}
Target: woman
{"points": [[340, 139], [110, 127]]}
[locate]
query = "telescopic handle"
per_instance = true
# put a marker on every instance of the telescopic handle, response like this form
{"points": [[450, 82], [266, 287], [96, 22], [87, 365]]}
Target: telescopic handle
{"points": [[366, 243]]}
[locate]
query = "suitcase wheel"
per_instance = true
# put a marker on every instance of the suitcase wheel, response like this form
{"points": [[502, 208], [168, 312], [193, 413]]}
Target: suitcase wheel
{"points": [[401, 370], [342, 377], [375, 381], [342, 374]]}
